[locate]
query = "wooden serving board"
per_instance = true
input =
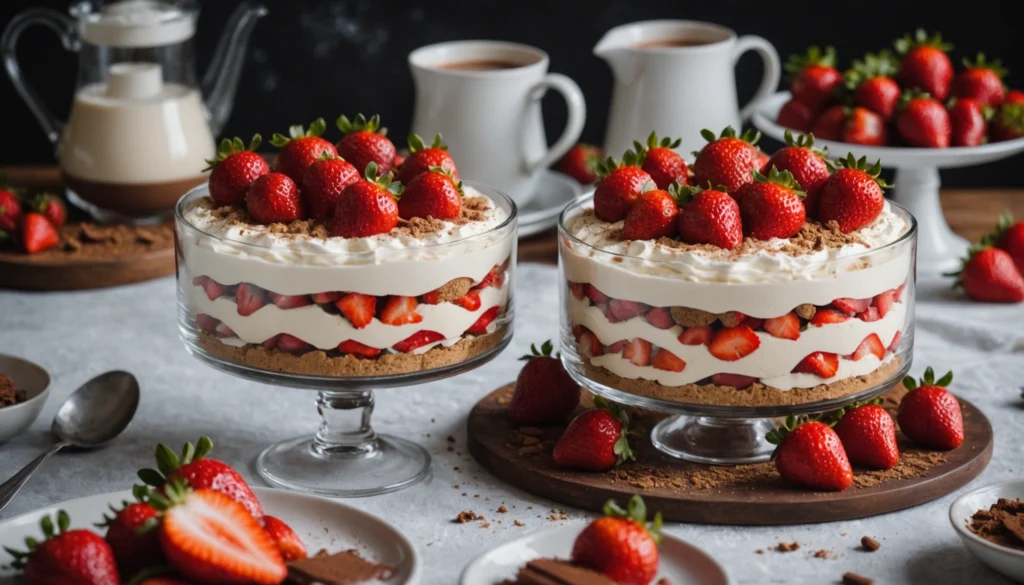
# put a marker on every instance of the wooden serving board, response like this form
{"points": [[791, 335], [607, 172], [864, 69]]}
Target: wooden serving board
{"points": [[744, 495]]}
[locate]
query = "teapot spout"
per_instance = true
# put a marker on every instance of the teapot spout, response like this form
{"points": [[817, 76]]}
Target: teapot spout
{"points": [[220, 81]]}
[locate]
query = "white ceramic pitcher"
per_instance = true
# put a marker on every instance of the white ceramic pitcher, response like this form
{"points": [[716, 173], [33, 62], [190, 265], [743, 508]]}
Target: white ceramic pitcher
{"points": [[677, 77]]}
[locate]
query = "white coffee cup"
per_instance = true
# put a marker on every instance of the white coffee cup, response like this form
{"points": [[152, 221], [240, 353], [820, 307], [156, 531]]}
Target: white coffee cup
{"points": [[484, 99]]}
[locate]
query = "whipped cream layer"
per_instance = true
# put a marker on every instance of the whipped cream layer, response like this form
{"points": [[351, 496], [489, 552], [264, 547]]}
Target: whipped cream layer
{"points": [[764, 283], [773, 361], [386, 264], [325, 331]]}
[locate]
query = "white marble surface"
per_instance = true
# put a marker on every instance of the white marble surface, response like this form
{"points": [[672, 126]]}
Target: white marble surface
{"points": [[78, 335]]}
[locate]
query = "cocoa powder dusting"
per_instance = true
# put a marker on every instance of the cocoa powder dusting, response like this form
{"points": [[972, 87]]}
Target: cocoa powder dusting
{"points": [[1002, 523]]}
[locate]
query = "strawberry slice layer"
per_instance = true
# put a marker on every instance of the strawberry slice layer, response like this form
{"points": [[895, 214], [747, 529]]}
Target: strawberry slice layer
{"points": [[821, 363], [871, 345], [638, 352], [479, 327], [668, 361], [733, 343], [417, 340]]}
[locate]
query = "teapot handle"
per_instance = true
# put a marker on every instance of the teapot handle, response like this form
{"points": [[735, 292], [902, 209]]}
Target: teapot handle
{"points": [[577, 108], [772, 69], [65, 29]]}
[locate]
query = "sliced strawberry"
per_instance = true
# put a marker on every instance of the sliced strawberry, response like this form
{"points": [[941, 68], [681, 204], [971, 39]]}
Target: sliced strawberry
{"points": [[660, 317], [668, 361], [209, 537], [223, 330], [250, 298], [870, 315], [895, 343], [324, 298], [480, 326], [416, 340], [638, 352], [578, 290], [623, 309], [470, 302], [289, 301], [871, 345], [898, 293], [696, 336], [851, 306], [206, 322], [733, 343], [784, 327], [495, 278], [291, 344], [754, 323], [214, 290], [734, 380], [590, 346], [271, 342], [431, 298], [884, 301], [827, 317], [284, 538], [617, 347], [598, 297], [355, 348], [578, 331], [822, 363], [357, 308], [400, 311]]}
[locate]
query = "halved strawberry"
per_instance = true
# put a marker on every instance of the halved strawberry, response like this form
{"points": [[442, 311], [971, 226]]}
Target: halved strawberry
{"points": [[733, 343], [623, 309], [696, 336], [207, 323], [638, 352], [495, 278], [400, 311], [357, 308], [214, 290], [355, 348], [479, 327], [851, 306], [821, 363], [590, 346], [223, 330], [291, 344], [208, 537], [616, 347], [668, 361], [608, 314], [884, 301], [250, 298], [579, 290], [784, 327], [660, 317], [734, 380], [417, 340], [431, 298], [598, 297], [323, 298], [870, 315], [284, 538], [470, 302], [895, 343], [289, 301], [871, 345], [827, 316]]}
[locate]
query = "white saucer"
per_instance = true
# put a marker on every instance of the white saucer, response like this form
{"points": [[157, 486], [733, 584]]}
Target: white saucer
{"points": [[681, 563], [320, 522], [1007, 561], [554, 192]]}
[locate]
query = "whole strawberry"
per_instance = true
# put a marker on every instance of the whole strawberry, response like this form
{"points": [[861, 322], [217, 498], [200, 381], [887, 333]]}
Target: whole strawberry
{"points": [[653, 215], [619, 186], [366, 141], [989, 275], [830, 124], [852, 195], [805, 163], [423, 158], [968, 120], [274, 198], [37, 233], [929, 415], [868, 434], [300, 149], [545, 392], [870, 80], [51, 206], [924, 63], [1014, 96], [923, 121], [1008, 123], [199, 472], [435, 193], [810, 454], [772, 206], [323, 183], [727, 160], [980, 80], [1009, 235], [367, 207], [10, 213], [864, 127], [623, 545], [796, 115], [66, 557], [709, 216], [580, 163], [596, 440], [814, 78], [661, 162], [234, 169], [131, 537]]}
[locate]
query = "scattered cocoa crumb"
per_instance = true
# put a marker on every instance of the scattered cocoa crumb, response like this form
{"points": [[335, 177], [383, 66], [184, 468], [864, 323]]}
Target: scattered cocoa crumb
{"points": [[517, 523], [822, 554], [1002, 523], [456, 469], [869, 544], [465, 517], [451, 449], [855, 579], [450, 439], [485, 525], [557, 515], [476, 495], [464, 493], [502, 510], [812, 237], [787, 546], [455, 486], [759, 551]]}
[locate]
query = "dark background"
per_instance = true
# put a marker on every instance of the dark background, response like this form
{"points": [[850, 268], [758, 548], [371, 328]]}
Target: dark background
{"points": [[312, 58]]}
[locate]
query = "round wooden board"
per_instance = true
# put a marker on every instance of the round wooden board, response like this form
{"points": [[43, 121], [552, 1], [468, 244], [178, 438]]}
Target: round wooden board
{"points": [[762, 499]]}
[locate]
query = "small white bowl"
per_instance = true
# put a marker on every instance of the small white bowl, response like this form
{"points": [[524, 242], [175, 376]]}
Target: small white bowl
{"points": [[1007, 561], [34, 380]]}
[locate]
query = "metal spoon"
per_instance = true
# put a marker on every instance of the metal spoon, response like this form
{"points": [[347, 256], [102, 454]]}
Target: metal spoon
{"points": [[91, 417]]}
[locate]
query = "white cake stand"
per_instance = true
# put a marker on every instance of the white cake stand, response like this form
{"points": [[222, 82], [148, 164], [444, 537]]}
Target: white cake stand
{"points": [[916, 184]]}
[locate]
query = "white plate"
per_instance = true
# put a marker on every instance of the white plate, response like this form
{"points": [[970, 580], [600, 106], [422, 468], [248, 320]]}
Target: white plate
{"points": [[680, 563], [320, 522], [1007, 561], [554, 192]]}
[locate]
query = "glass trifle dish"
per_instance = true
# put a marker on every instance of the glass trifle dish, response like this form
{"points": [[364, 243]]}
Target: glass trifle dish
{"points": [[333, 305], [727, 337]]}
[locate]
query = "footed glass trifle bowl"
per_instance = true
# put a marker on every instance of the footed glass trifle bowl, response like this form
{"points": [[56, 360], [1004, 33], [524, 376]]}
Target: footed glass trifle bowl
{"points": [[285, 304], [725, 341]]}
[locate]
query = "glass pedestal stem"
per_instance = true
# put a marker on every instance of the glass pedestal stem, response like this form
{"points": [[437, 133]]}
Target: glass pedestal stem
{"points": [[345, 428]]}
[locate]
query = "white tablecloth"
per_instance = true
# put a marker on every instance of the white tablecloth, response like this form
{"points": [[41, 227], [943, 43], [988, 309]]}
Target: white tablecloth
{"points": [[78, 335]]}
